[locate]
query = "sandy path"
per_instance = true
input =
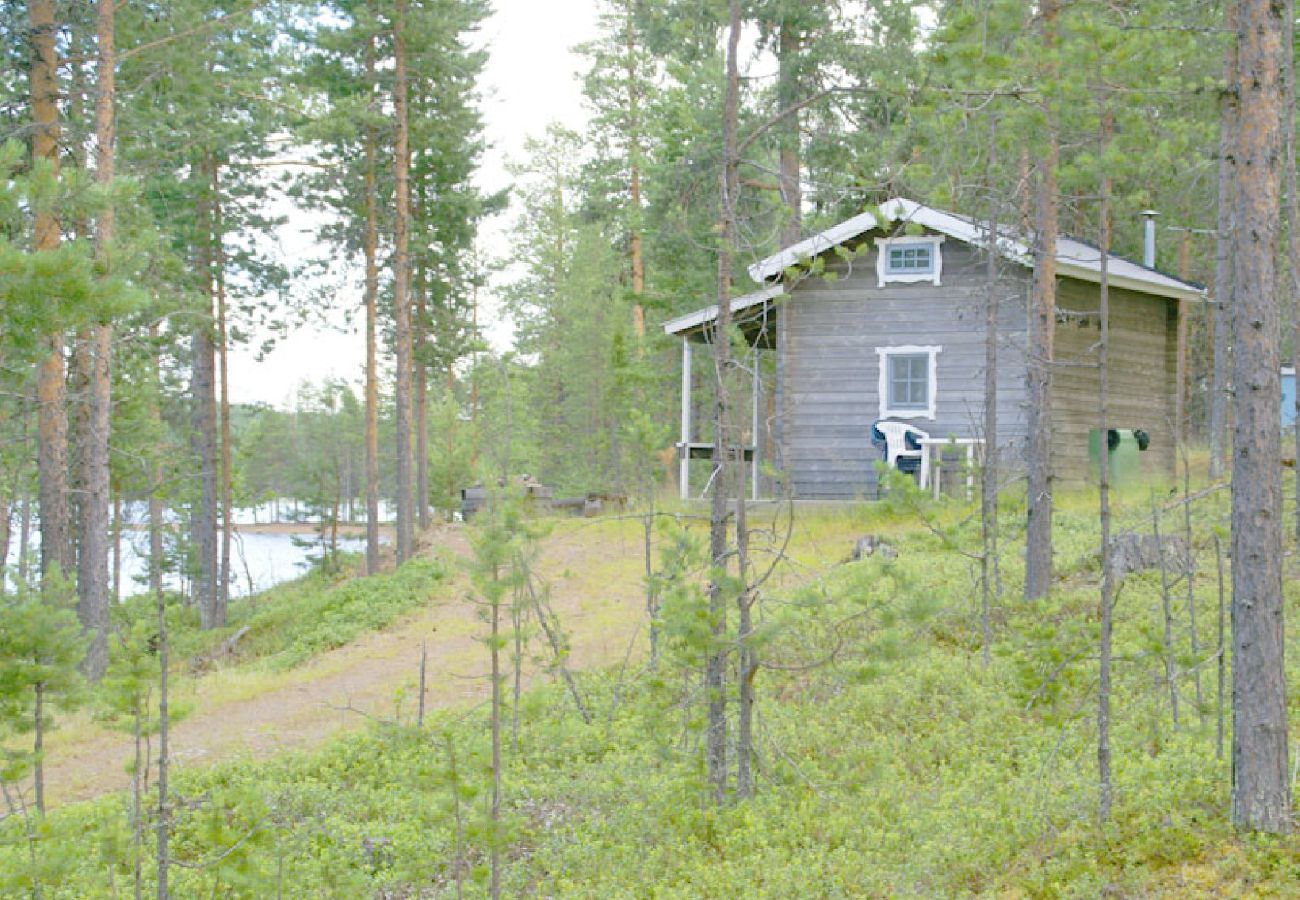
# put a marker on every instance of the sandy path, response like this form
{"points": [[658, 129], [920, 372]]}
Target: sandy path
{"points": [[596, 591]]}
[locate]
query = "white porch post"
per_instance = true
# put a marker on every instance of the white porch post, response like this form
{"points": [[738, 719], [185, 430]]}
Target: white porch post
{"points": [[684, 471], [753, 430]]}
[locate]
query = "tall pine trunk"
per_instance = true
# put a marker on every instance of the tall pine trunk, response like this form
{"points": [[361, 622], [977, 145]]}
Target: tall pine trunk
{"points": [[1292, 211], [371, 243], [164, 724], [422, 401], [635, 255], [402, 285], [1223, 253], [156, 477], [93, 508], [989, 469], [52, 416], [791, 224], [1261, 795], [223, 399], [1104, 793], [1042, 332], [203, 421], [7, 507], [724, 441]]}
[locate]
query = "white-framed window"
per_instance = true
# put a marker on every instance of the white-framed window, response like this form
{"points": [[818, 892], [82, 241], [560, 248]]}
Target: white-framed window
{"points": [[909, 382], [909, 260]]}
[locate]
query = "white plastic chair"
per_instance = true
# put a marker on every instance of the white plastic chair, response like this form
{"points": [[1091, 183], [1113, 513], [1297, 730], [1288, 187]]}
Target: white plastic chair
{"points": [[896, 449]]}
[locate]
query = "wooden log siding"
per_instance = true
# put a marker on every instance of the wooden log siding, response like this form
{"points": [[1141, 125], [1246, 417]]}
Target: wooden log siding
{"points": [[833, 368], [1142, 384]]}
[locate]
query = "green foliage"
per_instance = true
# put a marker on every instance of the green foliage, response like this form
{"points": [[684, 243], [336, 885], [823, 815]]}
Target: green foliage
{"points": [[41, 646], [128, 686], [292, 622], [894, 766]]}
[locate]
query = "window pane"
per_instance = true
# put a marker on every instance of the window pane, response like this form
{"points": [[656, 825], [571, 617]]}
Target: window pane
{"points": [[910, 259], [909, 381]]}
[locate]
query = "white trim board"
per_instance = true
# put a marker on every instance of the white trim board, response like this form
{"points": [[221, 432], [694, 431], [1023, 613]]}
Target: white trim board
{"points": [[884, 276], [882, 383]]}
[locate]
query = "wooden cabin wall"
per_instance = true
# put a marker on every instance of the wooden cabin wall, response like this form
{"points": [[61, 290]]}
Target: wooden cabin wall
{"points": [[832, 371], [1143, 359]]}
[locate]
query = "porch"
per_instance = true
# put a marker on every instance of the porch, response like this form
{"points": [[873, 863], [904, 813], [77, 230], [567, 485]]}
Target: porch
{"points": [[753, 443]]}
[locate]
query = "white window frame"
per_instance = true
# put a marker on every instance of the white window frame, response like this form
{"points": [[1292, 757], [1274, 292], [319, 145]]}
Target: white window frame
{"points": [[930, 411], [884, 276]]}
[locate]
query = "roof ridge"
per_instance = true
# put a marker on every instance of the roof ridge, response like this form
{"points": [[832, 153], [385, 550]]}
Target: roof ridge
{"points": [[1010, 241]]}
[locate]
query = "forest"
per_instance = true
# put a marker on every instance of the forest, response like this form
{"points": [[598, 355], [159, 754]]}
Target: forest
{"points": [[628, 673]]}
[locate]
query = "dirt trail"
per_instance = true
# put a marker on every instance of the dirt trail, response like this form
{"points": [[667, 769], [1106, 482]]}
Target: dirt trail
{"points": [[596, 591]]}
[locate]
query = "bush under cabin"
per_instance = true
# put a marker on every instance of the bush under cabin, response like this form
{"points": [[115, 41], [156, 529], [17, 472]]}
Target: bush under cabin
{"points": [[882, 318]]}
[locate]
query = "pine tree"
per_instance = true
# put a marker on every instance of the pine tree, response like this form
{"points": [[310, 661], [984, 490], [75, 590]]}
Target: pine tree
{"points": [[52, 435], [1261, 789]]}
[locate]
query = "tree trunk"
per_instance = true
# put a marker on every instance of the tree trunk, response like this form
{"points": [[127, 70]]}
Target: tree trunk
{"points": [[137, 808], [473, 370], [7, 507], [223, 400], [1292, 211], [372, 315], [790, 45], [1042, 329], [422, 403], [791, 226], [989, 469], [203, 423], [38, 746], [164, 760], [155, 481], [1261, 796], [723, 439], [93, 507], [1104, 792], [52, 427], [402, 285], [24, 537], [1223, 254], [634, 242], [495, 810], [115, 593]]}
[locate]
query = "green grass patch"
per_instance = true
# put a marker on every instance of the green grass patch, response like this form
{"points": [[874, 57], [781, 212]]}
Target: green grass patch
{"points": [[292, 622], [896, 766]]}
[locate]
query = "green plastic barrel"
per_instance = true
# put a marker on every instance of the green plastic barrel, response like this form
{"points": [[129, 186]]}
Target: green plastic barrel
{"points": [[1125, 457]]}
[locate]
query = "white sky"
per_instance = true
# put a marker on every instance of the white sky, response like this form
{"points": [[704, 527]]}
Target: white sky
{"points": [[530, 80]]}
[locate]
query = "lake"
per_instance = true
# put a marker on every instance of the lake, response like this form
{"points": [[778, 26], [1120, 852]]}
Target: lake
{"points": [[258, 559]]}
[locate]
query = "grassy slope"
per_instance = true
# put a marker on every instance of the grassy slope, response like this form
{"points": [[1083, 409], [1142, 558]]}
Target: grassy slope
{"points": [[288, 624], [899, 768], [284, 628]]}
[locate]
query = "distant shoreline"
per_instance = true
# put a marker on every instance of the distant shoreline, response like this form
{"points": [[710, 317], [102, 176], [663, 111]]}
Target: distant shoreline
{"points": [[346, 529]]}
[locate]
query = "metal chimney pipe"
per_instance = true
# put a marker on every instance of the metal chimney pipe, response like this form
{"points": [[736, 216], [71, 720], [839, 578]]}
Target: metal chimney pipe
{"points": [[1149, 238]]}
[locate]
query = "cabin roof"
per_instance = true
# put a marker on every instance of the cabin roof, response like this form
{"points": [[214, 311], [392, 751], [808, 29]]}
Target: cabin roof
{"points": [[1074, 258]]}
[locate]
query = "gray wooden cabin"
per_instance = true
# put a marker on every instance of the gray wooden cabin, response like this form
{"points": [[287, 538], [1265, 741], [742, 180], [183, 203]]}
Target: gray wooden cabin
{"points": [[883, 317]]}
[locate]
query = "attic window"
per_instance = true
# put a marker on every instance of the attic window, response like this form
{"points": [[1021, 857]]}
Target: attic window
{"points": [[909, 260]]}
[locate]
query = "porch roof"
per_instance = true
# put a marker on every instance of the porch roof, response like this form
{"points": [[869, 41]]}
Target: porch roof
{"points": [[753, 313]]}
